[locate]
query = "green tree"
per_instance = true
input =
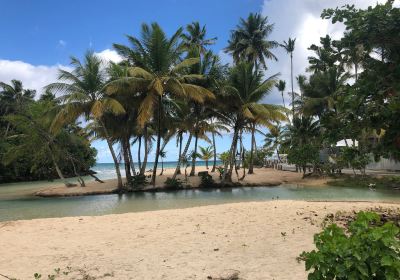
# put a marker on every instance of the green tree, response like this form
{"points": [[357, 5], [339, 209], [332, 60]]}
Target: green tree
{"points": [[206, 154]]}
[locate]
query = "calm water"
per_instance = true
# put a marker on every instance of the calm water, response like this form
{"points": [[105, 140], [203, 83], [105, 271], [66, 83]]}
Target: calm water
{"points": [[16, 201]]}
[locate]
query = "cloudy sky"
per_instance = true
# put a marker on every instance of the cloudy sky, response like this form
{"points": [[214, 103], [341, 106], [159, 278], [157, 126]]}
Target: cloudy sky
{"points": [[38, 37]]}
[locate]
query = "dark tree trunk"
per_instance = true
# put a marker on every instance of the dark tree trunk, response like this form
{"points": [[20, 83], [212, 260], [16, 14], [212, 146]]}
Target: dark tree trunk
{"points": [[253, 140], [228, 173], [146, 152], [182, 156], [139, 151], [180, 151], [126, 159], [131, 159], [194, 156], [214, 152], [114, 156], [153, 178]]}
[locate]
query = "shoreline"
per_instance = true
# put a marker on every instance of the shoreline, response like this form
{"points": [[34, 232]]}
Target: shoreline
{"points": [[260, 240], [262, 177]]}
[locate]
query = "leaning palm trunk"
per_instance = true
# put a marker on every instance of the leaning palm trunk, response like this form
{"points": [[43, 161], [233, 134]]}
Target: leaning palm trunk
{"points": [[291, 77], [228, 173], [125, 154], [242, 155], [58, 170], [193, 171], [80, 180], [215, 153], [131, 159], [113, 155], [183, 155], [153, 177], [253, 140], [180, 151], [146, 152], [162, 167]]}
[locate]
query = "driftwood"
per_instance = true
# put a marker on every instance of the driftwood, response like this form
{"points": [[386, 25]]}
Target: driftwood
{"points": [[91, 173]]}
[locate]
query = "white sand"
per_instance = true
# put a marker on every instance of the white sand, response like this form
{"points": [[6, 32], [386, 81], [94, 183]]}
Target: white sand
{"points": [[172, 244]]}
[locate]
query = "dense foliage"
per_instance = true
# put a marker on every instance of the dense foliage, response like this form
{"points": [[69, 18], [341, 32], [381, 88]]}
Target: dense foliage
{"points": [[28, 151], [370, 250]]}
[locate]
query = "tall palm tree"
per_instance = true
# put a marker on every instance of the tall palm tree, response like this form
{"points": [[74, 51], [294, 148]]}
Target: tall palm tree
{"points": [[289, 47], [195, 38], [163, 155], [84, 95], [274, 138], [281, 85], [245, 90], [157, 73], [249, 41]]}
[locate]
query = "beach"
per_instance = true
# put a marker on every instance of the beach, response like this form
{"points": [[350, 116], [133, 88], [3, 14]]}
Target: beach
{"points": [[258, 240], [261, 177]]}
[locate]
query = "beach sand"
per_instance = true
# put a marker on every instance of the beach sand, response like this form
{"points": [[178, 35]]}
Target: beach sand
{"points": [[191, 243], [261, 177]]}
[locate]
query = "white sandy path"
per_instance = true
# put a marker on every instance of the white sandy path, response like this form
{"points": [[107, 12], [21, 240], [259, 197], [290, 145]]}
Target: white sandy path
{"points": [[188, 243]]}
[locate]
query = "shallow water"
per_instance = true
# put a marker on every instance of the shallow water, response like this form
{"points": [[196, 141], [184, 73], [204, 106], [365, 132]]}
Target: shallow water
{"points": [[29, 207]]}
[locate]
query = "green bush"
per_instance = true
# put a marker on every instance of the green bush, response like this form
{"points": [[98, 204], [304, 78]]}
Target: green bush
{"points": [[137, 181], [207, 181], [173, 184], [369, 250], [303, 155]]}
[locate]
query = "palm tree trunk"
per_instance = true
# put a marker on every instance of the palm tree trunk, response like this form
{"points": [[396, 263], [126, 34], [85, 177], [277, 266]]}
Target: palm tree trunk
{"points": [[58, 170], [80, 180], [182, 156], [153, 178], [193, 171], [214, 152], [242, 155], [126, 159], [291, 77], [228, 173], [131, 159], [207, 164], [139, 151], [283, 100], [113, 155], [146, 152], [253, 140], [162, 166], [180, 151]]}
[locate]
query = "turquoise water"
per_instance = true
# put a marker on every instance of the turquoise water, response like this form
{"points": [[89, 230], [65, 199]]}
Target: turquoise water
{"points": [[16, 201]]}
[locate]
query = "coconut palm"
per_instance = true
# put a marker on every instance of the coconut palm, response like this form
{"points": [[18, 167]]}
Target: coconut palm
{"points": [[274, 138], [195, 38], [289, 47], [246, 88], [157, 73], [84, 95], [206, 154], [281, 85], [249, 41], [163, 155]]}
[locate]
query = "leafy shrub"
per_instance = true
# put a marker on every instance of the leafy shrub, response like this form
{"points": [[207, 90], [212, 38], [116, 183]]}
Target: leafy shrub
{"points": [[207, 181], [303, 155], [354, 158], [220, 170], [137, 181], [370, 250], [173, 184]]}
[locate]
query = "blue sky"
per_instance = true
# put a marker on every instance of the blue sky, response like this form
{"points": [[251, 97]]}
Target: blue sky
{"points": [[38, 37]]}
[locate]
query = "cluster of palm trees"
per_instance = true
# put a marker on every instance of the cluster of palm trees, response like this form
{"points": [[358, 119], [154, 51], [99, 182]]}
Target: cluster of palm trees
{"points": [[173, 86]]}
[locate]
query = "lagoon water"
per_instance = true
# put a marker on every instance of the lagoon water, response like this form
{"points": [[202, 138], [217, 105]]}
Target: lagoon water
{"points": [[17, 201]]}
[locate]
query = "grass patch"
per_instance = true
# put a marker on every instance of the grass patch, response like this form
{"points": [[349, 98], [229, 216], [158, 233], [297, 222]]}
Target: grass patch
{"points": [[384, 182]]}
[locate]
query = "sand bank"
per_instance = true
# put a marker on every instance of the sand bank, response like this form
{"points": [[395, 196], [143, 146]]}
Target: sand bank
{"points": [[261, 240], [261, 177]]}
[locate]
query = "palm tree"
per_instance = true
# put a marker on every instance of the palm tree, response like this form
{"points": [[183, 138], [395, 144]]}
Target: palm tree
{"points": [[246, 88], [157, 73], [195, 38], [206, 154], [289, 47], [274, 138], [13, 99], [281, 85], [84, 95], [249, 41]]}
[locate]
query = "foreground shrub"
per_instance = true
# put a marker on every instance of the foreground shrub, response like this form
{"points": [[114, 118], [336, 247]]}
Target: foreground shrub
{"points": [[173, 184], [369, 250]]}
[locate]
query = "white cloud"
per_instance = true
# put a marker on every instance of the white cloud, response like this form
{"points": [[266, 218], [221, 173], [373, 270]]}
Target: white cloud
{"points": [[109, 55], [38, 76], [32, 76], [62, 43]]}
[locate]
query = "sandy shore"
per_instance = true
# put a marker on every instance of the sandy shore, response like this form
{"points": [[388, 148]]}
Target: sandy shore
{"points": [[189, 243], [261, 177]]}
